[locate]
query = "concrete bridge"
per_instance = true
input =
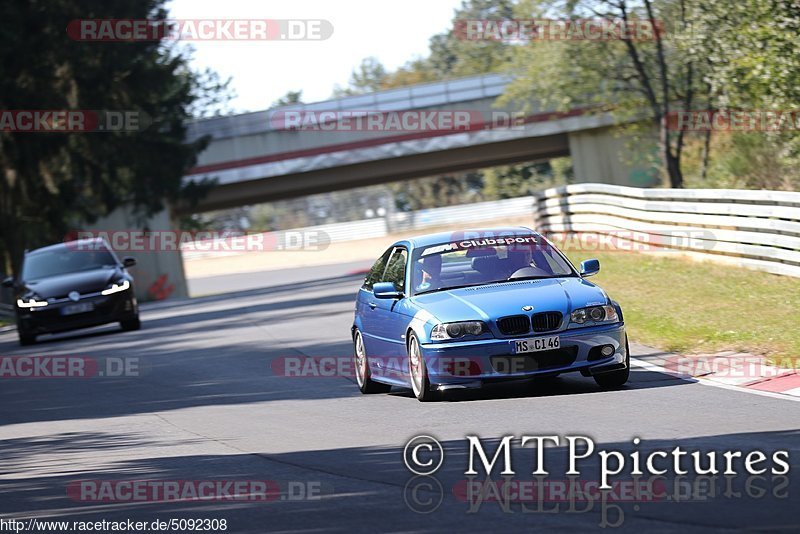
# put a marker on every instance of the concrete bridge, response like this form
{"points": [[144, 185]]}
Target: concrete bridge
{"points": [[264, 156], [268, 155]]}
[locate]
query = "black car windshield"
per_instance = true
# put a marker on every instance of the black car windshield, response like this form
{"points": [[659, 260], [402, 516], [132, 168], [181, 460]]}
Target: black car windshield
{"points": [[63, 260], [487, 260]]}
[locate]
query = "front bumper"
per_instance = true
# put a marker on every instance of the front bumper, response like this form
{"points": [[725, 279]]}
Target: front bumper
{"points": [[50, 319], [472, 363]]}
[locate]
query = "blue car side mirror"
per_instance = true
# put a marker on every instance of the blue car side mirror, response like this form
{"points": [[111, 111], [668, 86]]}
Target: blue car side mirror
{"points": [[386, 290], [590, 267]]}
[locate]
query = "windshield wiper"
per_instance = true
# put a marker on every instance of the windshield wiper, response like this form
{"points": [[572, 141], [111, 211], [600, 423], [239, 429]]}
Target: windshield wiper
{"points": [[536, 277], [448, 288]]}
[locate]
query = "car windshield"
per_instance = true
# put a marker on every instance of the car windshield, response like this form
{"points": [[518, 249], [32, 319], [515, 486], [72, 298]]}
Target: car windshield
{"points": [[63, 261], [483, 261]]}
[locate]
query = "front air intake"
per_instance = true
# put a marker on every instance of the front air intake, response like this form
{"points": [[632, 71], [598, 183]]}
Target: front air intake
{"points": [[514, 325], [546, 321]]}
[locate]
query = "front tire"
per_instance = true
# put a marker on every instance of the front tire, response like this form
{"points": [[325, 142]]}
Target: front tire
{"points": [[418, 371], [616, 379], [26, 339], [131, 324], [363, 374]]}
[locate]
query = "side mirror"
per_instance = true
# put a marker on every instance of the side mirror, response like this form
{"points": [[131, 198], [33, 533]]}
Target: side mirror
{"points": [[8, 282], [386, 290], [128, 261], [590, 267]]}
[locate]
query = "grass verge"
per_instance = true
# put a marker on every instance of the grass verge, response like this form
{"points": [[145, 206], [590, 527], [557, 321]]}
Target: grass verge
{"points": [[684, 306]]}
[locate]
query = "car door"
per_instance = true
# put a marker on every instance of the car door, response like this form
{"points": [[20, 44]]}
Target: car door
{"points": [[390, 323], [366, 303]]}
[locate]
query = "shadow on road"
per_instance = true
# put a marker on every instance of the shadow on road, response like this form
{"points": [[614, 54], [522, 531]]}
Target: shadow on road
{"points": [[330, 485], [222, 350]]}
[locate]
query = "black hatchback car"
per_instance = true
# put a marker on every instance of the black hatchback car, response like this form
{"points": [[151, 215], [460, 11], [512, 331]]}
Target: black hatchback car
{"points": [[73, 285]]}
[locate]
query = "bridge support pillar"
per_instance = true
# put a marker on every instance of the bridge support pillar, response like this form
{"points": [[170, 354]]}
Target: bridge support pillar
{"points": [[605, 155], [158, 272]]}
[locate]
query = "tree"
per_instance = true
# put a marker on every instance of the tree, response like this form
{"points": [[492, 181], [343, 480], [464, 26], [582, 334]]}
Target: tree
{"points": [[367, 77], [450, 56], [624, 76], [291, 97], [705, 55], [53, 182], [751, 56]]}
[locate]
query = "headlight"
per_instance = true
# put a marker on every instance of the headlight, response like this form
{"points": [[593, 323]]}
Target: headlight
{"points": [[446, 331], [32, 303], [595, 314], [116, 288]]}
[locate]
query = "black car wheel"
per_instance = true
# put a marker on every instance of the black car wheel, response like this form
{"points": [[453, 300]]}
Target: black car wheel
{"points": [[26, 339], [363, 376], [131, 324], [418, 372], [616, 379]]}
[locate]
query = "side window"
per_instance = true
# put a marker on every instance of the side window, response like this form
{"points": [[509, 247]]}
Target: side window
{"points": [[376, 272], [396, 269]]}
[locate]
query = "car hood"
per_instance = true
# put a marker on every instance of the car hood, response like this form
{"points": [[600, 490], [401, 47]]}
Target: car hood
{"points": [[498, 300], [82, 282]]}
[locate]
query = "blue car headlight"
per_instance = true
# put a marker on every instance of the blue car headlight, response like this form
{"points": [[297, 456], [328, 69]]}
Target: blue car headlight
{"points": [[445, 331], [594, 314]]}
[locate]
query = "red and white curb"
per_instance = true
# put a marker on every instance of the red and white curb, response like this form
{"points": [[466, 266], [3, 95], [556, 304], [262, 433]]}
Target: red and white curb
{"points": [[731, 370]]}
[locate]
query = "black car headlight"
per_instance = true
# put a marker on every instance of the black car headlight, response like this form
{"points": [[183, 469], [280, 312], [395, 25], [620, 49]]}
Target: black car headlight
{"points": [[31, 301], [445, 331], [594, 314], [121, 285]]}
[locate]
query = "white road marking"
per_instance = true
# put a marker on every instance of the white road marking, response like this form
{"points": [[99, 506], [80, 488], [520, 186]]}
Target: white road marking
{"points": [[660, 369]]}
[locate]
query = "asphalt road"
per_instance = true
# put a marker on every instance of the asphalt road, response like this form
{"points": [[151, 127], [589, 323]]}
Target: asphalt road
{"points": [[207, 403]]}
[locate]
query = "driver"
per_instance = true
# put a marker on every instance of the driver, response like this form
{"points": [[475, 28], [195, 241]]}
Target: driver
{"points": [[431, 269], [518, 258]]}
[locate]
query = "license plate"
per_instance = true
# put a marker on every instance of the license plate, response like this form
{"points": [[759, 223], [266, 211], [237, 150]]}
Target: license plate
{"points": [[83, 307], [535, 344]]}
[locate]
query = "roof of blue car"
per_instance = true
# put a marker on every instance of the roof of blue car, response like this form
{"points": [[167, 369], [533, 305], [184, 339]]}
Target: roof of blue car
{"points": [[470, 233]]}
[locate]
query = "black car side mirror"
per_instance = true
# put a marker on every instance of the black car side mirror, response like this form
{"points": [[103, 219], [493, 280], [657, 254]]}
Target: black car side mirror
{"points": [[8, 282], [128, 261]]}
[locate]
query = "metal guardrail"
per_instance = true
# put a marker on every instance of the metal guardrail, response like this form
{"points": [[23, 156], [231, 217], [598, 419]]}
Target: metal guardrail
{"points": [[461, 215], [752, 229]]}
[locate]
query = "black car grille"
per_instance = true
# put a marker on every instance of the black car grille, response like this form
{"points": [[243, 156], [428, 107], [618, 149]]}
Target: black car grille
{"points": [[514, 325], [546, 321], [534, 361]]}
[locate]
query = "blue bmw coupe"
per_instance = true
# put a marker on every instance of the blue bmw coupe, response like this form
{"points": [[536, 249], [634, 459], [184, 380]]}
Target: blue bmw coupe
{"points": [[459, 310]]}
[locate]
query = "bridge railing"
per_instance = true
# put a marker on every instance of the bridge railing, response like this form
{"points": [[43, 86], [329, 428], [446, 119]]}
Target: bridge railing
{"points": [[753, 229]]}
